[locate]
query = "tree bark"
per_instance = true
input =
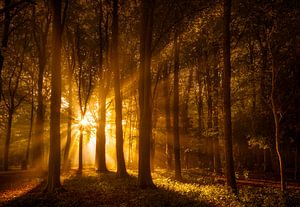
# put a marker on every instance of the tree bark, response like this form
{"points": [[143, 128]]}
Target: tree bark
{"points": [[230, 174], [277, 125], [100, 142], [30, 132], [176, 110], [54, 155], [168, 118], [7, 140], [209, 101], [145, 120], [4, 41], [216, 147], [121, 168]]}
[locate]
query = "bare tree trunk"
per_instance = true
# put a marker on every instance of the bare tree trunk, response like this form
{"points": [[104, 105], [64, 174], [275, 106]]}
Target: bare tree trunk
{"points": [[30, 132], [4, 41], [100, 143], [69, 124], [230, 174], [176, 110], [209, 138], [277, 125], [168, 118], [7, 140], [121, 168], [145, 120], [54, 155], [80, 165], [216, 151]]}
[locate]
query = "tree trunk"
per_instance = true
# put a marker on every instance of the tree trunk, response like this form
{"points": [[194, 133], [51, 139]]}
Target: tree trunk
{"points": [[216, 147], [39, 125], [276, 116], [145, 120], [30, 132], [7, 140], [69, 124], [4, 41], [121, 168], [54, 155], [176, 110], [80, 165], [230, 174], [209, 138], [100, 142], [168, 119]]}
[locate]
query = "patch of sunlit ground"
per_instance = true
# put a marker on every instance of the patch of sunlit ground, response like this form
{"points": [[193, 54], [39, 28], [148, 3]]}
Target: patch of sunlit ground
{"points": [[92, 189], [15, 190]]}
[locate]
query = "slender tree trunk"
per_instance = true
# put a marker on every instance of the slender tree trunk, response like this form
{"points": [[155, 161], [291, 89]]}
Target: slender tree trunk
{"points": [[121, 168], [277, 125], [7, 140], [216, 151], [30, 132], [80, 165], [168, 119], [39, 125], [145, 120], [54, 155], [176, 110], [296, 161], [199, 101], [209, 100], [230, 174], [4, 41], [69, 124]]}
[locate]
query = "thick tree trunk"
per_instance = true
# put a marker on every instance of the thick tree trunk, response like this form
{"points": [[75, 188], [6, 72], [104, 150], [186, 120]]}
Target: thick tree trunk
{"points": [[54, 155], [176, 110], [100, 157], [168, 119], [100, 142], [7, 139], [145, 120], [230, 174], [121, 168]]}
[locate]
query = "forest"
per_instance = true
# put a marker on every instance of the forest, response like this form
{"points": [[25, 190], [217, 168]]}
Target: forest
{"points": [[149, 103]]}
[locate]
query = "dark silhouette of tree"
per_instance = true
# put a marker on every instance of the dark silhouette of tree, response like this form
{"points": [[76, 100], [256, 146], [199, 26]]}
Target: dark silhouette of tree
{"points": [[53, 182], [40, 34], [230, 174], [121, 168], [145, 125], [176, 139]]}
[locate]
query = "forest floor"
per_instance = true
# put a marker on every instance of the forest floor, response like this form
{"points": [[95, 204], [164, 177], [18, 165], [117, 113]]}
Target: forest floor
{"points": [[92, 189]]}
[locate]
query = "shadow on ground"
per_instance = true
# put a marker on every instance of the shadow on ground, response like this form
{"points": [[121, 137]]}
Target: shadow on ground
{"points": [[91, 189]]}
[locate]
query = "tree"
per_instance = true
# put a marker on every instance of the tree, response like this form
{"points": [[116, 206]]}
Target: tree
{"points": [[230, 175], [168, 117], [176, 140], [104, 83], [12, 99], [121, 168], [40, 34], [53, 182], [145, 125]]}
